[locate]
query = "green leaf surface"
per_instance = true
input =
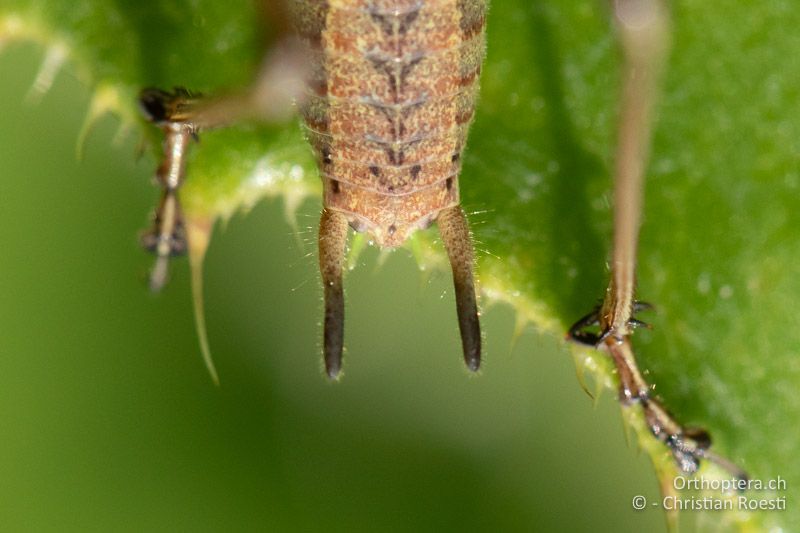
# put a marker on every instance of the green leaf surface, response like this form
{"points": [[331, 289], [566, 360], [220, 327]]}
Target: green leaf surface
{"points": [[718, 245]]}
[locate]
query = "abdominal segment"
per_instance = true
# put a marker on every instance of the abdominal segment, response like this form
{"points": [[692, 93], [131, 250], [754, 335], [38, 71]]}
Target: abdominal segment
{"points": [[389, 100], [391, 96]]}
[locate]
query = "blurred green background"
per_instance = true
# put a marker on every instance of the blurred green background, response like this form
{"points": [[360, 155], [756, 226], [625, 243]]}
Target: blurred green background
{"points": [[110, 422]]}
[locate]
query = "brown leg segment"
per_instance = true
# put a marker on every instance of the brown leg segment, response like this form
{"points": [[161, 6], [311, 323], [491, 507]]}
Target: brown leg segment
{"points": [[332, 240], [643, 31], [455, 235], [642, 26], [166, 239]]}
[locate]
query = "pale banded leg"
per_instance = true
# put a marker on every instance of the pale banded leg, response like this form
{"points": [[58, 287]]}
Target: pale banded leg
{"points": [[167, 237], [181, 116]]}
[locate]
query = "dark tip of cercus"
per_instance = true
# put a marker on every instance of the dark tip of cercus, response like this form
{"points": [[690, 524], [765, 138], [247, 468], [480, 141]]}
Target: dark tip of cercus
{"points": [[473, 362], [333, 369]]}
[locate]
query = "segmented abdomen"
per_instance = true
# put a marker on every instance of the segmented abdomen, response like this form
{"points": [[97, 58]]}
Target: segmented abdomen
{"points": [[391, 96]]}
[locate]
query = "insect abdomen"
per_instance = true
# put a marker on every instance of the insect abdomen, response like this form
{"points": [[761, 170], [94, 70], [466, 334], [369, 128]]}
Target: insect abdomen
{"points": [[392, 95]]}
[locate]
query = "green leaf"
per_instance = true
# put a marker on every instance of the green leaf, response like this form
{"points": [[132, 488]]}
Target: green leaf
{"points": [[719, 240]]}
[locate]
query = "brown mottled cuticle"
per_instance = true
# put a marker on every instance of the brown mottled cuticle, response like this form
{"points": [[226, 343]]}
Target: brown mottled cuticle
{"points": [[390, 96]]}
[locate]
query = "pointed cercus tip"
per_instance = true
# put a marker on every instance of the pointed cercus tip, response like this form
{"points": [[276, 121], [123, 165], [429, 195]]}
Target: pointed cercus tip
{"points": [[333, 370], [473, 362]]}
